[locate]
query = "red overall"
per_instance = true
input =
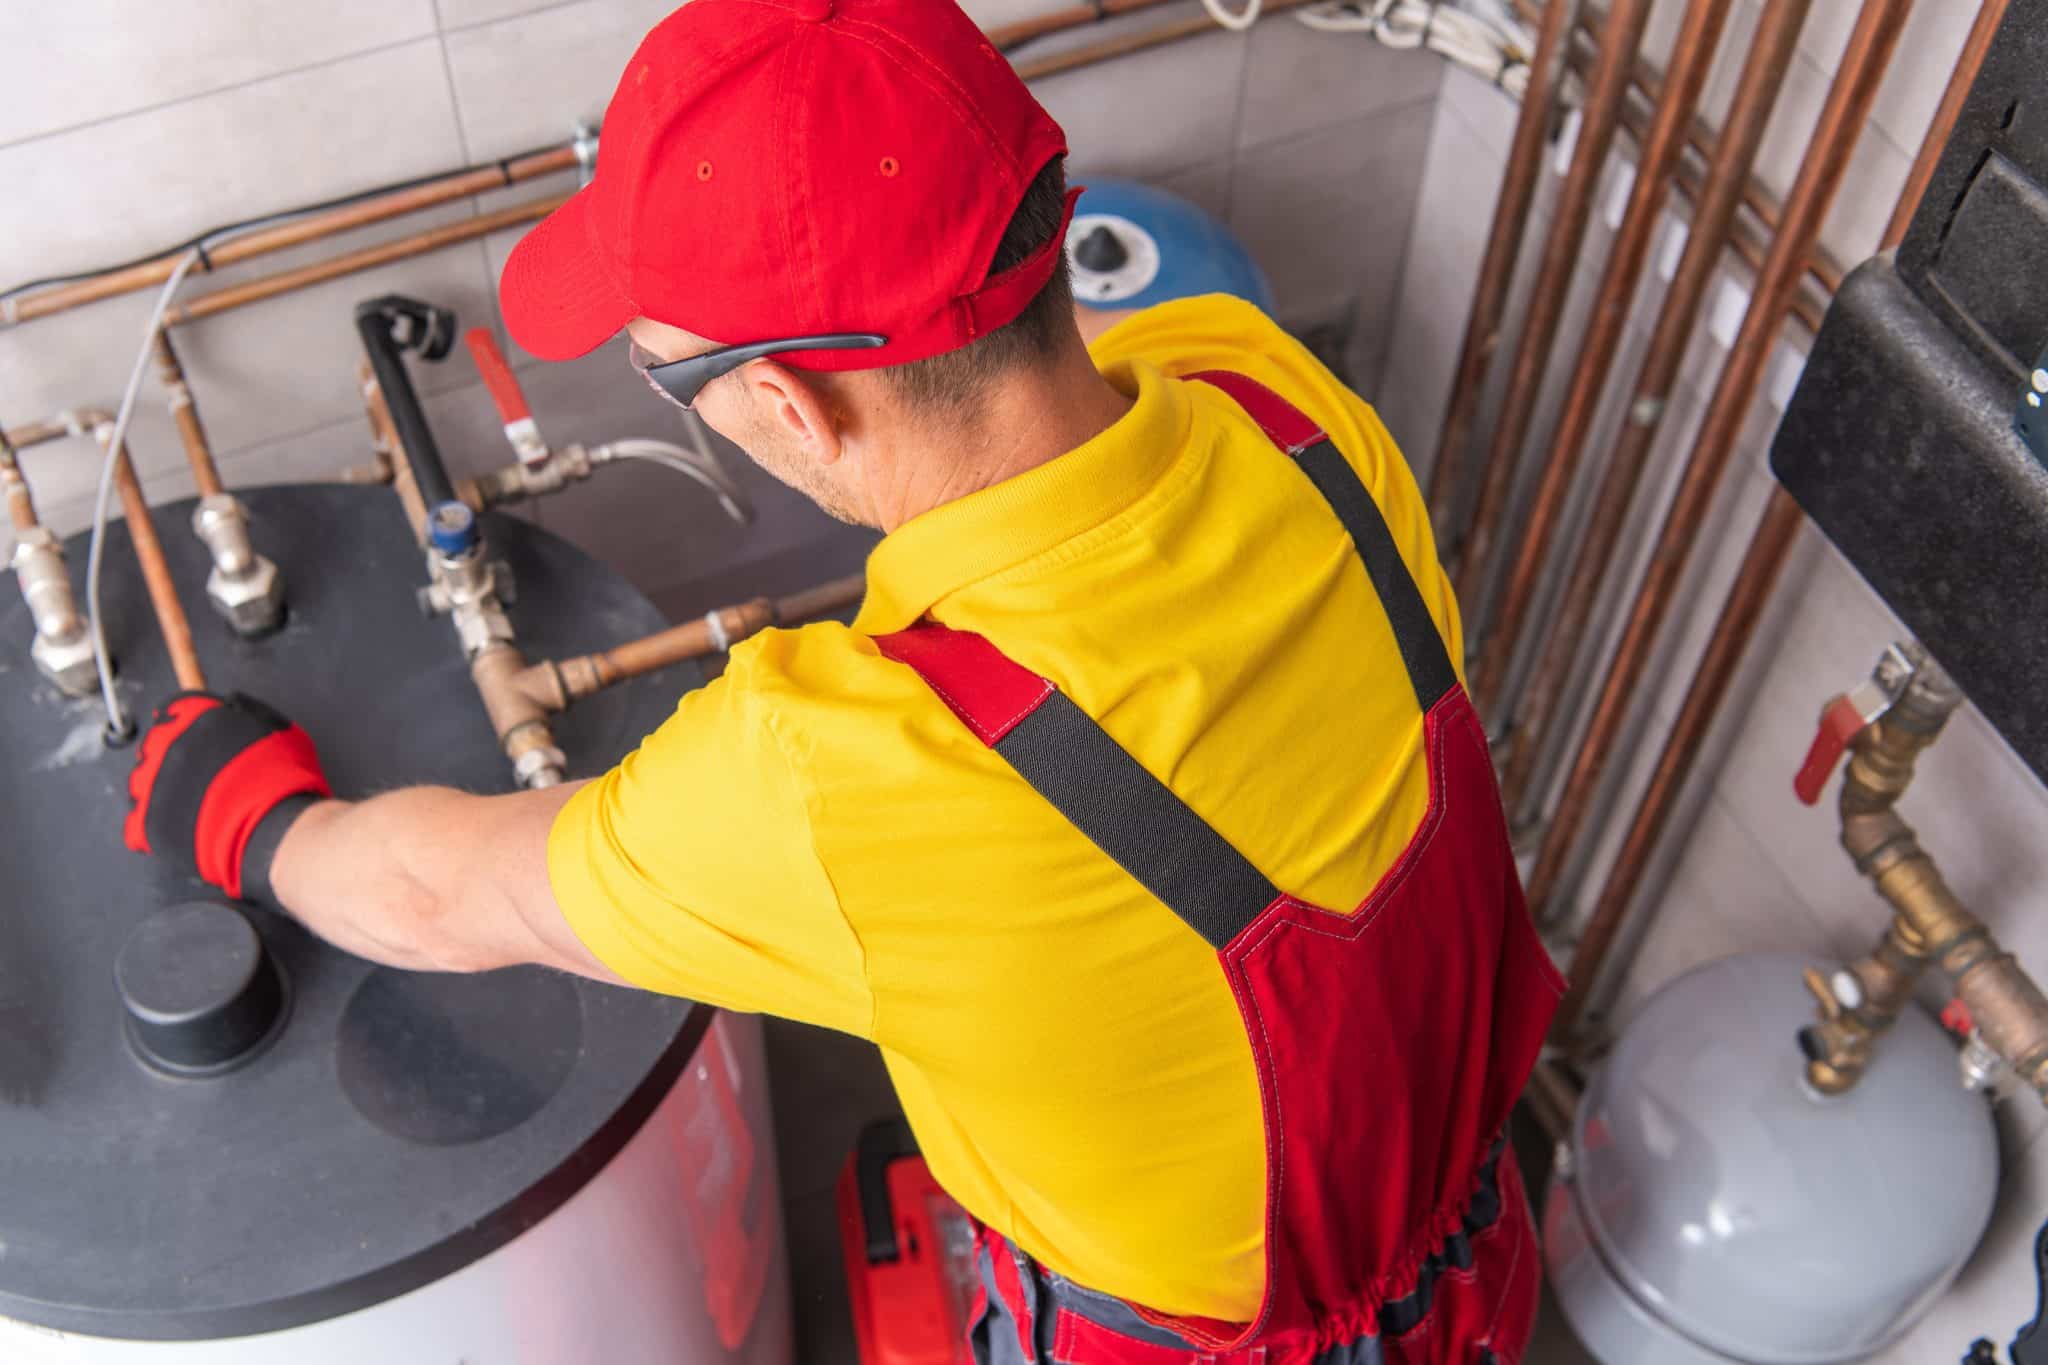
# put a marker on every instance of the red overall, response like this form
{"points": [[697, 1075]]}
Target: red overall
{"points": [[1390, 1040]]}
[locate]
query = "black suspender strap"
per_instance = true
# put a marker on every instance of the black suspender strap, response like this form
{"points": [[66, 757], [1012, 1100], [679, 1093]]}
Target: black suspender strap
{"points": [[1090, 779]]}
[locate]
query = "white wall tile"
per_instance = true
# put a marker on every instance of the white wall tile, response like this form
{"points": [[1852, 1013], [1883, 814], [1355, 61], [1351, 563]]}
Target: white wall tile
{"points": [[101, 193], [1299, 80], [526, 81], [1151, 113], [469, 13], [1306, 207], [1488, 111], [1725, 897], [1206, 186], [92, 60]]}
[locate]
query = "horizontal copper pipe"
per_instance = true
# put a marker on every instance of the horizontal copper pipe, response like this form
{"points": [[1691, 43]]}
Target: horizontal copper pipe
{"points": [[1756, 96], [1125, 44], [1497, 266], [156, 575], [1842, 120], [311, 227], [1059, 20], [1559, 264], [823, 600], [1692, 57], [348, 263], [553, 684]]}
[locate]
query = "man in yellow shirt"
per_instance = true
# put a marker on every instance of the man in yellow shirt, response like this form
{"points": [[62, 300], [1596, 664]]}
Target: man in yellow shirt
{"points": [[1155, 664]]}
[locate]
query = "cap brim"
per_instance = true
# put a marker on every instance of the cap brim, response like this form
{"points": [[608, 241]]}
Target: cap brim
{"points": [[558, 295]]}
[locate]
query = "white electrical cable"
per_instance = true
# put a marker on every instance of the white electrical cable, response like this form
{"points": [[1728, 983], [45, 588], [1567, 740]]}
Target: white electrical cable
{"points": [[1491, 45], [118, 726], [1237, 21]]}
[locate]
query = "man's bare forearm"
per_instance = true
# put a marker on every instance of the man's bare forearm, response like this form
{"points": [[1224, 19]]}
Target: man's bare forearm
{"points": [[431, 879]]}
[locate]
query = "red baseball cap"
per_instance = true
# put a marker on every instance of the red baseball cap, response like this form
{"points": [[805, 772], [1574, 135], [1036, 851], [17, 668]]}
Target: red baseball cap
{"points": [[787, 168]]}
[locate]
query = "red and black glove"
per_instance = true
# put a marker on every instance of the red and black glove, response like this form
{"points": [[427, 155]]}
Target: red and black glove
{"points": [[217, 781]]}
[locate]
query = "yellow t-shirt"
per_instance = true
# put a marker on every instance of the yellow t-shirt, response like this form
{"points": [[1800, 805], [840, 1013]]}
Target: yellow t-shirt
{"points": [[816, 835]]}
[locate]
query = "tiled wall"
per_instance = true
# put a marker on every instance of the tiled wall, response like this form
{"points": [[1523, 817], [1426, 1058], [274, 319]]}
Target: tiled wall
{"points": [[1749, 867], [127, 127]]}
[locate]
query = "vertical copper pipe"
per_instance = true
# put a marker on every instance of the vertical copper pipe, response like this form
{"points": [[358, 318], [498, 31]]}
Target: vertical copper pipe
{"points": [[1765, 561], [1756, 94], [1769, 549], [384, 440], [21, 504], [156, 576], [1692, 57], [1497, 267], [1820, 175], [171, 375], [1989, 15], [1473, 555]]}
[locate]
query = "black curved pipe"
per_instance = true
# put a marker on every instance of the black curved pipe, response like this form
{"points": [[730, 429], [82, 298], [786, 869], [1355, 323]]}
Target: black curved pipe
{"points": [[390, 326]]}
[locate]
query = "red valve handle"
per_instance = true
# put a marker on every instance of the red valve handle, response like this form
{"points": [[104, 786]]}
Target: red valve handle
{"points": [[498, 377], [1839, 724]]}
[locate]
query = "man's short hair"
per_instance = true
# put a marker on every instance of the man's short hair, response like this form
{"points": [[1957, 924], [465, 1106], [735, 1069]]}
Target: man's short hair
{"points": [[954, 379]]}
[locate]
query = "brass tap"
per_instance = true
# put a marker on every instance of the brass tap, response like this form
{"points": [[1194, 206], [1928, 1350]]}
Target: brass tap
{"points": [[1929, 924]]}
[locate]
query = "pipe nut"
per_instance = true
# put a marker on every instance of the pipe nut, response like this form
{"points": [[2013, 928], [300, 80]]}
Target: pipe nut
{"points": [[541, 766], [67, 662], [251, 602]]}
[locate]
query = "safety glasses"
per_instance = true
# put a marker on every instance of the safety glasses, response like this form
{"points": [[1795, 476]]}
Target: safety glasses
{"points": [[680, 381]]}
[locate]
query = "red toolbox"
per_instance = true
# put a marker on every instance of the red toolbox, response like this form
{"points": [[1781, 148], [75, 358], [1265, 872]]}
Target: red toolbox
{"points": [[909, 1254]]}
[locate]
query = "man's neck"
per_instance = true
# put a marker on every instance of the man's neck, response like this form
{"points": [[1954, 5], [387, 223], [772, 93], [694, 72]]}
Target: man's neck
{"points": [[1026, 421]]}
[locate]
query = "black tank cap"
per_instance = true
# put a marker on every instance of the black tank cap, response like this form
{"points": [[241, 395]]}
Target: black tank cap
{"points": [[200, 993]]}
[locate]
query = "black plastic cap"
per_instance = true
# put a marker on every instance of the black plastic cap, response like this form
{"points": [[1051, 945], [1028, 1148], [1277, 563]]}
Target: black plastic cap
{"points": [[201, 994], [1100, 251]]}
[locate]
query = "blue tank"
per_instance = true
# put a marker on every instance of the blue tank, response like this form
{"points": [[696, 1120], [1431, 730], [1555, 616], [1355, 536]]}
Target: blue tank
{"points": [[1132, 245]]}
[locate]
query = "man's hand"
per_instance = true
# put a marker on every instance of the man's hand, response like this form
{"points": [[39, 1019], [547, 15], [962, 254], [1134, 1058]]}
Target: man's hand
{"points": [[216, 782]]}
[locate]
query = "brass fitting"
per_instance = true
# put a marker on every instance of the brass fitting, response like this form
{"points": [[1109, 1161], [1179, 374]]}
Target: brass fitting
{"points": [[518, 717], [1929, 924], [1857, 1004]]}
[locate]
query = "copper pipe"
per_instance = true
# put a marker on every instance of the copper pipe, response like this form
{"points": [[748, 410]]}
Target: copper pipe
{"points": [[1746, 602], [1756, 95], [1842, 119], [348, 263], [1497, 267], [822, 600], [1646, 82], [554, 684], [156, 573], [1126, 44], [21, 504], [1692, 56], [1473, 552], [311, 227], [169, 373], [1059, 20], [389, 455], [1881, 772], [1989, 15]]}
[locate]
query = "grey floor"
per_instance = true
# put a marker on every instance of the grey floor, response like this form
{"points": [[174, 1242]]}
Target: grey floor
{"points": [[826, 1087]]}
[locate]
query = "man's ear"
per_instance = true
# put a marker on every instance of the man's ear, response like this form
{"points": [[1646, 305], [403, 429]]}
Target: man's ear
{"points": [[796, 404]]}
